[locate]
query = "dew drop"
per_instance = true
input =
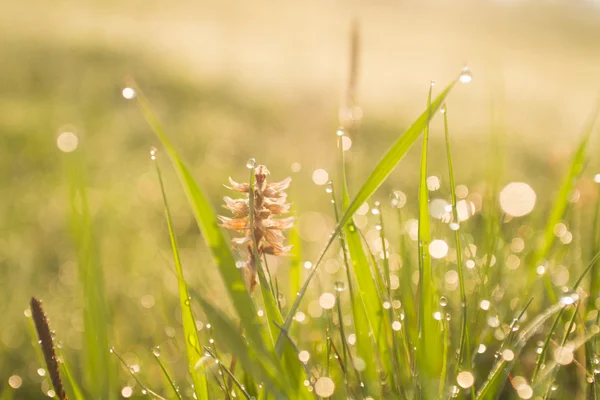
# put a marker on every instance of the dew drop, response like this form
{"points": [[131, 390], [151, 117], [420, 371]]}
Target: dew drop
{"points": [[339, 286], [329, 188], [340, 131], [156, 351], [569, 298], [251, 163], [153, 152], [466, 75], [443, 301]]}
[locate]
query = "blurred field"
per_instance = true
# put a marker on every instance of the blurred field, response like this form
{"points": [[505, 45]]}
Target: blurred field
{"points": [[233, 81]]}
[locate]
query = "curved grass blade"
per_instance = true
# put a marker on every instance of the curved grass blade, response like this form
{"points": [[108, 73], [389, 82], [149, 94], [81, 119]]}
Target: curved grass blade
{"points": [[370, 321], [192, 341], [464, 352], [561, 201], [364, 346], [382, 170], [212, 234]]}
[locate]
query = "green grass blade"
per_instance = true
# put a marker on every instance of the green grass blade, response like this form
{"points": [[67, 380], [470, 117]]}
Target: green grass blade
{"points": [[429, 351], [212, 234], [561, 201], [192, 341], [465, 343], [379, 174], [542, 355], [95, 315], [295, 261], [491, 388], [72, 387], [259, 363], [500, 370], [366, 304], [166, 374]]}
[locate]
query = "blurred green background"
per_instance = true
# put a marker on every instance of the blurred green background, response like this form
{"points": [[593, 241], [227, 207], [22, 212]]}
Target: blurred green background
{"points": [[231, 81]]}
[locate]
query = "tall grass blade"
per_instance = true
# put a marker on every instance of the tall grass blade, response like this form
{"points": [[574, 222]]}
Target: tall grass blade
{"points": [[464, 352], [379, 174], [209, 226], [192, 341], [430, 349], [366, 302], [561, 201], [95, 316]]}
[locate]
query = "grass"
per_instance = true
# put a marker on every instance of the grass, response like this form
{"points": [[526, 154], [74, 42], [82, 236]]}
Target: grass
{"points": [[388, 334]]}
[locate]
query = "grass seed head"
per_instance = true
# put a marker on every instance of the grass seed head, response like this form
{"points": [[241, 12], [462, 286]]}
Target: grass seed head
{"points": [[270, 203]]}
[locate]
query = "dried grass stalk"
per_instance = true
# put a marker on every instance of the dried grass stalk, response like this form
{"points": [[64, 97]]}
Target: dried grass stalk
{"points": [[269, 203], [47, 344]]}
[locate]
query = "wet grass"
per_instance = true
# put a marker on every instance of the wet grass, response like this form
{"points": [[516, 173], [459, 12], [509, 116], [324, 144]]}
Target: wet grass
{"points": [[407, 322]]}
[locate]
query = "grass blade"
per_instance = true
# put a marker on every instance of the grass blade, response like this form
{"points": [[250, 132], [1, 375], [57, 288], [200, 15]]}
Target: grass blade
{"points": [[212, 234], [258, 361], [95, 316], [542, 355], [429, 363], [156, 353], [192, 341], [379, 174], [465, 343], [561, 201]]}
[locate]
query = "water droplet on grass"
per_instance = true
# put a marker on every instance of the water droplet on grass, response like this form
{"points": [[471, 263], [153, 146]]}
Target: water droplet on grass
{"points": [[569, 298], [466, 75], [251, 163], [329, 188]]}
